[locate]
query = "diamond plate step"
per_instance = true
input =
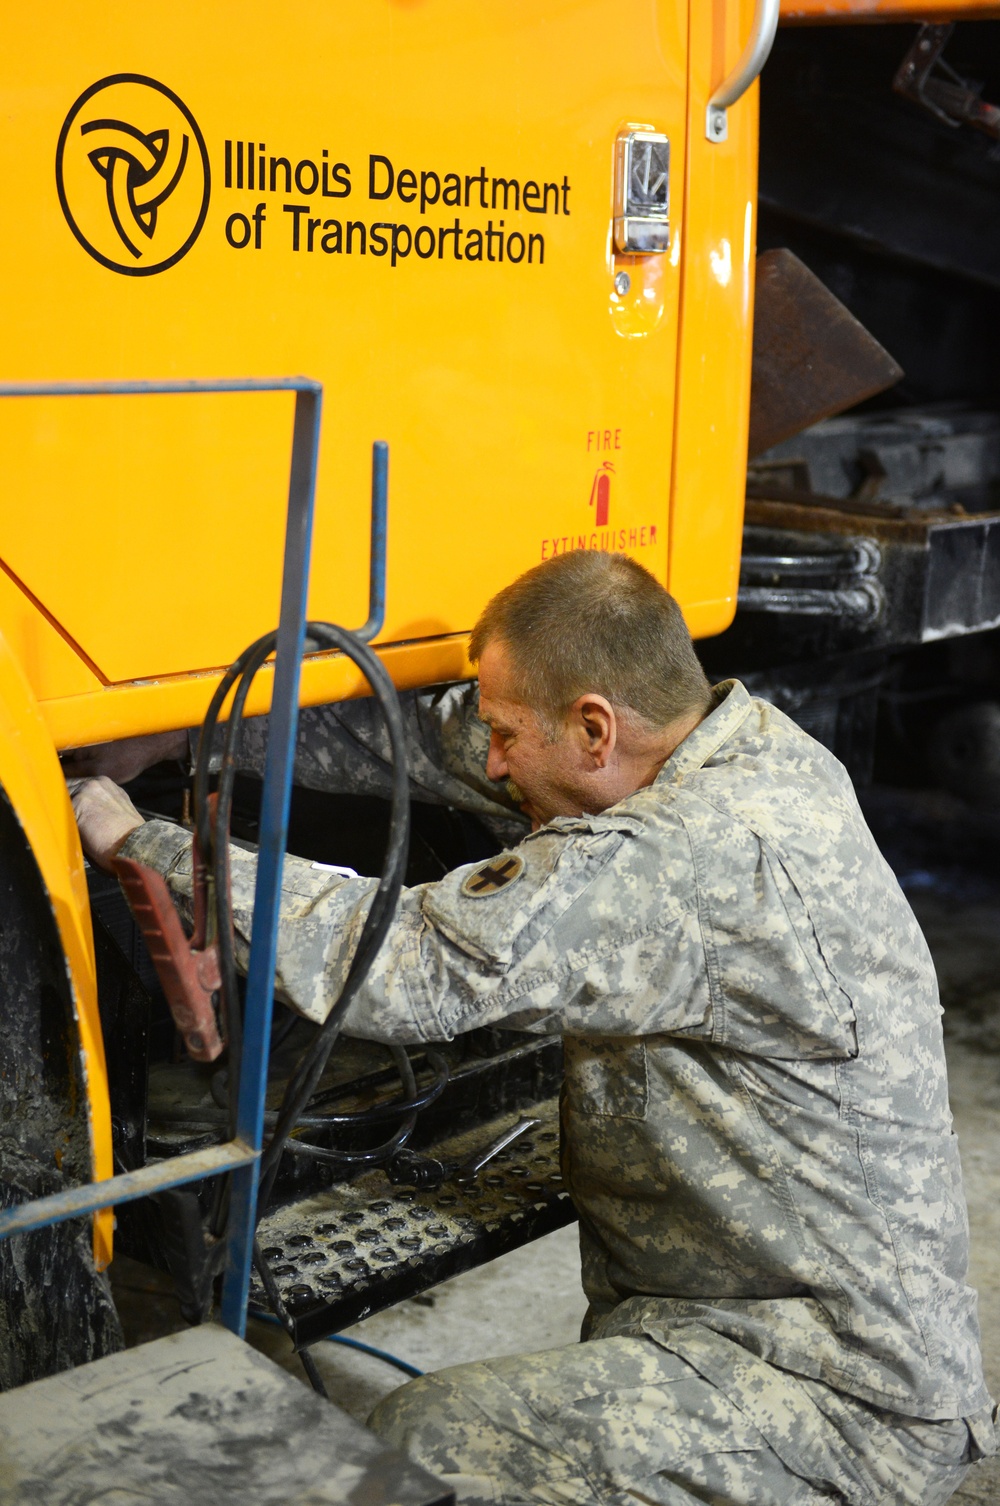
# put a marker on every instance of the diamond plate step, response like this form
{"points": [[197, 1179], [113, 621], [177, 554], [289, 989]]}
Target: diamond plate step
{"points": [[353, 1250]]}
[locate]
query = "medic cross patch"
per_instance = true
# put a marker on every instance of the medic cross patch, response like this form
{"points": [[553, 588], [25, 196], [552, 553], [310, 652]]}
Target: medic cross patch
{"points": [[492, 877]]}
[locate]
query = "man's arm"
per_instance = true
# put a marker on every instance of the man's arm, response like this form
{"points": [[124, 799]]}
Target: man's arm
{"points": [[343, 748], [574, 935], [125, 759]]}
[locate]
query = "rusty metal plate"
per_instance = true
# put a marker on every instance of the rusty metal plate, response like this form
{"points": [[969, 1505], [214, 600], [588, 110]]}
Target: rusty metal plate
{"points": [[811, 357]]}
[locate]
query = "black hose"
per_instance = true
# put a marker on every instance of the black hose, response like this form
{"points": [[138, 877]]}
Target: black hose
{"points": [[217, 854], [305, 1079], [270, 1286], [281, 1032], [382, 1111], [214, 848], [355, 1118], [202, 818], [381, 1152]]}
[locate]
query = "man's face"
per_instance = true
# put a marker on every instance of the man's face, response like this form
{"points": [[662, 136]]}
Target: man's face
{"points": [[548, 774]]}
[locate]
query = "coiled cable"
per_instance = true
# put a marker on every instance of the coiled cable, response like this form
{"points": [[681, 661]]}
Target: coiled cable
{"points": [[212, 840]]}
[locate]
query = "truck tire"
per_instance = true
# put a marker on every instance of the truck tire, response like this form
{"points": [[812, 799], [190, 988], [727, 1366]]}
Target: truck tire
{"points": [[56, 1309]]}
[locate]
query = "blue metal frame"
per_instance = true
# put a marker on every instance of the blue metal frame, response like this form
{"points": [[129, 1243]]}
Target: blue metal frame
{"points": [[240, 1156], [379, 541]]}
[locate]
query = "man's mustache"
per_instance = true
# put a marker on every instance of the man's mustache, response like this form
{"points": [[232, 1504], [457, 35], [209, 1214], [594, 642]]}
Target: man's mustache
{"points": [[515, 792]]}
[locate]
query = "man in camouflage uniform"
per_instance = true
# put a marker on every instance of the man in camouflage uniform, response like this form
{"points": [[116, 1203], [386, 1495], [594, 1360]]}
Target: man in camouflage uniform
{"points": [[755, 1117]]}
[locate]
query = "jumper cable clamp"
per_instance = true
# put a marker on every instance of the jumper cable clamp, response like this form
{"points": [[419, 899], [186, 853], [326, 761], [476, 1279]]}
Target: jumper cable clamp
{"points": [[188, 970]]}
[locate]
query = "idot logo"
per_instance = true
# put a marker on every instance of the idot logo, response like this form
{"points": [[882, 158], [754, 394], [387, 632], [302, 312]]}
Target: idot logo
{"points": [[132, 174]]}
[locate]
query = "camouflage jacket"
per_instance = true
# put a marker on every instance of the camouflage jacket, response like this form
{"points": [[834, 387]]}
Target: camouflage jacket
{"points": [[756, 1125], [343, 748]]}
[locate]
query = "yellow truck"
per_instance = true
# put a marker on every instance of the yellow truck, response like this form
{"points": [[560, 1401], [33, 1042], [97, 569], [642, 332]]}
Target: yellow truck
{"points": [[517, 243]]}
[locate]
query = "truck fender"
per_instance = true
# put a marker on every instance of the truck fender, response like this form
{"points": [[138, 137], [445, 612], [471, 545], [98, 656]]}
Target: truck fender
{"points": [[32, 780]]}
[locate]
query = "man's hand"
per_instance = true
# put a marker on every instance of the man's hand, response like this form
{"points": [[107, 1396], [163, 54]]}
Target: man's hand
{"points": [[105, 816], [125, 759]]}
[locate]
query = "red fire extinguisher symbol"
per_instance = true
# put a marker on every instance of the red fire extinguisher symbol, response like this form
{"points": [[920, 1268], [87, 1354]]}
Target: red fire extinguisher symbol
{"points": [[600, 493]]}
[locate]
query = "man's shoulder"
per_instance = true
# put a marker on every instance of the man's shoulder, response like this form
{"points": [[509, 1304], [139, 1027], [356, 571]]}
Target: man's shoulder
{"points": [[764, 783], [768, 768]]}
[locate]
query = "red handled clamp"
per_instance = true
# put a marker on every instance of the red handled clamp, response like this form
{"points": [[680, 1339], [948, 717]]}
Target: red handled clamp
{"points": [[188, 970]]}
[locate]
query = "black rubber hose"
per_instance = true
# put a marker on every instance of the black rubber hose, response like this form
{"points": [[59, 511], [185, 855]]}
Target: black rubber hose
{"points": [[214, 847], [354, 1118], [281, 1032], [203, 756], [219, 859], [337, 1091], [384, 1152], [270, 1286], [215, 855], [380, 1112], [380, 1152], [307, 1074], [246, 666]]}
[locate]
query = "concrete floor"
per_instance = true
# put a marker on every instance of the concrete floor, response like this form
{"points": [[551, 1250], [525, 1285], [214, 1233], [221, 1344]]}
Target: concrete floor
{"points": [[531, 1299]]}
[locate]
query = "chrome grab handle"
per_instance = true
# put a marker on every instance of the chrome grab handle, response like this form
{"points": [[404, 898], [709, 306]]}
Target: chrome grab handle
{"points": [[752, 59]]}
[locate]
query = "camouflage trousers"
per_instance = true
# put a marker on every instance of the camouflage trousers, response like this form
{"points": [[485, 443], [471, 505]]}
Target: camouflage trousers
{"points": [[619, 1420]]}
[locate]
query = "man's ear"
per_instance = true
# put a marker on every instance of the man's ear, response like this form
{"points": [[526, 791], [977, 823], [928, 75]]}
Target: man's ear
{"points": [[594, 719]]}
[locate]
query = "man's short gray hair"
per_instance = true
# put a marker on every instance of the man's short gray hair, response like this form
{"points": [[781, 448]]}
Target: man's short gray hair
{"points": [[590, 621]]}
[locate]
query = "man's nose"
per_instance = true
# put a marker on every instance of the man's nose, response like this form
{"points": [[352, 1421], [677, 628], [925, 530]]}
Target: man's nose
{"points": [[496, 759]]}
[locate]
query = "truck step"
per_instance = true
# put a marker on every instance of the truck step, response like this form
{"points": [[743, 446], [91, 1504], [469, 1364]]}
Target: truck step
{"points": [[354, 1249]]}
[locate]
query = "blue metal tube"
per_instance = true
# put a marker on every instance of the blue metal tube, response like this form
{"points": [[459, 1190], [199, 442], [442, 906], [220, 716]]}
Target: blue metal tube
{"points": [[73, 1202], [242, 1155], [275, 800], [379, 535], [125, 388]]}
